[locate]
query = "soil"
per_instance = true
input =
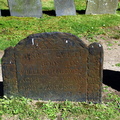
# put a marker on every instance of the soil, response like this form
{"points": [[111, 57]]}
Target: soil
{"points": [[111, 71]]}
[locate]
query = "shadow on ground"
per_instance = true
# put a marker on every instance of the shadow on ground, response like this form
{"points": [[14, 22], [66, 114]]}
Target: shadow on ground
{"points": [[50, 12], [112, 79], [80, 11], [1, 89], [5, 13], [118, 9]]}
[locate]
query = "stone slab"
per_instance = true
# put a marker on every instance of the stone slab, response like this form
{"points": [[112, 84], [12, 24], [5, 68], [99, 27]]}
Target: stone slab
{"points": [[64, 7], [25, 8], [101, 6], [53, 66]]}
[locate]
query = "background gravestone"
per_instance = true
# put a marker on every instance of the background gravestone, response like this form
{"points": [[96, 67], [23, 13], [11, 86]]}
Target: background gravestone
{"points": [[101, 6], [25, 8], [53, 66], [64, 7]]}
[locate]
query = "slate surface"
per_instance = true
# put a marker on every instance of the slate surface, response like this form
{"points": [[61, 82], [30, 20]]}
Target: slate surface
{"points": [[65, 7], [54, 66], [25, 8], [101, 6]]}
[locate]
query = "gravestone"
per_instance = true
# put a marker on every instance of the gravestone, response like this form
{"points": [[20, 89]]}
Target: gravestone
{"points": [[25, 8], [53, 66], [64, 7], [101, 6]]}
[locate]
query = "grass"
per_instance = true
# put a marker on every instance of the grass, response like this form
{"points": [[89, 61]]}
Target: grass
{"points": [[117, 36], [14, 29], [3, 4], [118, 64], [109, 44], [24, 108]]}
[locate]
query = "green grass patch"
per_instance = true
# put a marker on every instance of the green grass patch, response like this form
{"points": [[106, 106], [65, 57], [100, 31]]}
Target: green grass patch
{"points": [[3, 4], [109, 44], [25, 108], [117, 36], [118, 64], [14, 29], [17, 106]]}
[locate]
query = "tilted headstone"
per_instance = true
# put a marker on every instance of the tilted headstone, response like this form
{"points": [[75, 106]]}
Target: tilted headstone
{"points": [[53, 66], [64, 7], [25, 8], [101, 6]]}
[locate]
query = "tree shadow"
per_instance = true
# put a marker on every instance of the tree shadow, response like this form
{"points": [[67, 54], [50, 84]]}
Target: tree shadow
{"points": [[5, 13], [50, 12], [112, 79]]}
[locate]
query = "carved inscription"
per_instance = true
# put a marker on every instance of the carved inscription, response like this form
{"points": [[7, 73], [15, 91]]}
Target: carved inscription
{"points": [[56, 70]]}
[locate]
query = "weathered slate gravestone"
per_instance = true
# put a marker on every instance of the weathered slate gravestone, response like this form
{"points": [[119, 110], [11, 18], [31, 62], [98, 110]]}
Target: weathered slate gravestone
{"points": [[101, 6], [53, 66], [25, 8], [64, 7]]}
